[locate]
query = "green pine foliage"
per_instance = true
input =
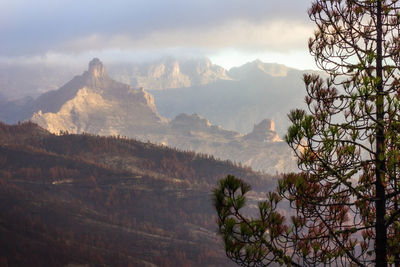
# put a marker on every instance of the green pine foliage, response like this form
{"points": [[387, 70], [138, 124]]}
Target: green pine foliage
{"points": [[346, 198]]}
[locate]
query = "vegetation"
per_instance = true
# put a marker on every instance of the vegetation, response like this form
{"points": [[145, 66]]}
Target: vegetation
{"points": [[107, 201], [346, 199]]}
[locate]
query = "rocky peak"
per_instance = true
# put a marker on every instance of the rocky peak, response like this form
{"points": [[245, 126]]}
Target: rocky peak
{"points": [[193, 121], [264, 126], [96, 68], [264, 131]]}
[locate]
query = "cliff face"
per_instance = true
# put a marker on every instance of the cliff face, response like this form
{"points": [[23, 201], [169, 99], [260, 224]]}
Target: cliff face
{"points": [[95, 103]]}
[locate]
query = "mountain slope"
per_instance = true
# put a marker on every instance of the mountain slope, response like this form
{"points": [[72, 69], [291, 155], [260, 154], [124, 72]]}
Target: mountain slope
{"points": [[108, 201]]}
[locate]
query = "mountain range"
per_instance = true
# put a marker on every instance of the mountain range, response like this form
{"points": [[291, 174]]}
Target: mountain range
{"points": [[235, 99], [255, 91]]}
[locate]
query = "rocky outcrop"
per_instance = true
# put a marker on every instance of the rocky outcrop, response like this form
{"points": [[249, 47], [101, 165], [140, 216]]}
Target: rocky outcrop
{"points": [[261, 149], [263, 132], [96, 69], [195, 123]]}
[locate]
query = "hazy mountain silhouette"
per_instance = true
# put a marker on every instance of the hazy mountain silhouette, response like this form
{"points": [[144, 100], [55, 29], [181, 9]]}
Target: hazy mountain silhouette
{"points": [[236, 99], [257, 91], [168, 73]]}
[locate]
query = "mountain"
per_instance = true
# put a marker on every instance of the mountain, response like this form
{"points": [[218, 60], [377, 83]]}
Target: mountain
{"points": [[256, 91], [94, 103], [262, 149], [169, 73], [83, 200], [258, 69]]}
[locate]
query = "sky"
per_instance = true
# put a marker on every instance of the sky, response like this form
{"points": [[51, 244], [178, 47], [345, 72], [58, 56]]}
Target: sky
{"points": [[229, 32]]}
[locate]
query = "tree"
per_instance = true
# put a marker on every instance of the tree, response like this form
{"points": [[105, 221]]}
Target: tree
{"points": [[346, 199]]}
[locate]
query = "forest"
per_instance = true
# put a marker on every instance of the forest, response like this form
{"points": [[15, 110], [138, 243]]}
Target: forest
{"points": [[108, 201]]}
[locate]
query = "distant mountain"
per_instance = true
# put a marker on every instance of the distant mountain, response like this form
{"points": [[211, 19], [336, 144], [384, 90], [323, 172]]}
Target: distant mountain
{"points": [[169, 73], [83, 200], [258, 69], [257, 91]]}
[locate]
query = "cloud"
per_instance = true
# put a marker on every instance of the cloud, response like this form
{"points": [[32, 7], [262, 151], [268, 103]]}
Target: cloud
{"points": [[29, 28], [276, 35]]}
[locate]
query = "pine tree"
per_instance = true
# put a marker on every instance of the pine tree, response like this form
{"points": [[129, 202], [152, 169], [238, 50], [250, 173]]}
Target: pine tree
{"points": [[346, 199]]}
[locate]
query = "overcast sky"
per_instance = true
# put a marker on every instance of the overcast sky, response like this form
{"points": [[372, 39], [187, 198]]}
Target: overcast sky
{"points": [[230, 32]]}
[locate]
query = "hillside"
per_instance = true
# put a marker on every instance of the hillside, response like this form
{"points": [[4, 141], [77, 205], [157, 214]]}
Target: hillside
{"points": [[108, 201]]}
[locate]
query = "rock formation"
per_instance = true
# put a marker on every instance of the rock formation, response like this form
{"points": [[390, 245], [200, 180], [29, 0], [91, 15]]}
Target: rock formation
{"points": [[95, 103], [263, 132]]}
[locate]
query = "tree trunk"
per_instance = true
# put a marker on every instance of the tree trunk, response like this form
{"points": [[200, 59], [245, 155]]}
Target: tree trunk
{"points": [[380, 203]]}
